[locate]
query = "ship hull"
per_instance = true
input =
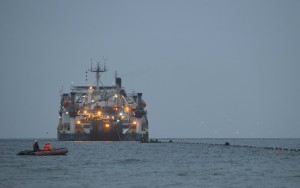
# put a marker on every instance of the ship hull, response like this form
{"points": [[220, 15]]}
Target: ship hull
{"points": [[86, 137], [100, 130]]}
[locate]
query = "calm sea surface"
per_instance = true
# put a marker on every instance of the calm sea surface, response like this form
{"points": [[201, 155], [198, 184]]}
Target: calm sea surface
{"points": [[132, 164]]}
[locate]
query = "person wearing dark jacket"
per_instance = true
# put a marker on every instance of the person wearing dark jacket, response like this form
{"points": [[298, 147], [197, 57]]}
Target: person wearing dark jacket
{"points": [[36, 146]]}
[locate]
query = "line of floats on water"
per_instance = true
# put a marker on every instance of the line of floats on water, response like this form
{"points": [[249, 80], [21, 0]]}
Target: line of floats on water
{"points": [[225, 144]]}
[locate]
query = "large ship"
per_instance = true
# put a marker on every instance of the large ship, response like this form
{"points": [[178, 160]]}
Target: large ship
{"points": [[102, 113]]}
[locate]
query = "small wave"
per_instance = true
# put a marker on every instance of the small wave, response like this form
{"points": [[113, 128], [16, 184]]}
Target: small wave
{"points": [[129, 160], [182, 174]]}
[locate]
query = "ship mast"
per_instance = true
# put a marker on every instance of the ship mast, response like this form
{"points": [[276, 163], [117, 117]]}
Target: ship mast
{"points": [[97, 70]]}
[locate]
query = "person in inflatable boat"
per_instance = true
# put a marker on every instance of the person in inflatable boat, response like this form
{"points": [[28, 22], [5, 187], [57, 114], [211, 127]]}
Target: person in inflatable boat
{"points": [[47, 147], [36, 146]]}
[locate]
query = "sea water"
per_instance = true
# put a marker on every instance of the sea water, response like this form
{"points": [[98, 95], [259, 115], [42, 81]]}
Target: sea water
{"points": [[182, 163]]}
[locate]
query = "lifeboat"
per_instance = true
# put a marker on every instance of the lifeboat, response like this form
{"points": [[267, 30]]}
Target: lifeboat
{"points": [[66, 103]]}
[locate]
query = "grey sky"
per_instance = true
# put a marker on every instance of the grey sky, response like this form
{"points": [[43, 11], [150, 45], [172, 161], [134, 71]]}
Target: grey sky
{"points": [[206, 68]]}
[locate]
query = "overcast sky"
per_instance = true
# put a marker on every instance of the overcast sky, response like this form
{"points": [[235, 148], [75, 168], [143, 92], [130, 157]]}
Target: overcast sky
{"points": [[207, 69]]}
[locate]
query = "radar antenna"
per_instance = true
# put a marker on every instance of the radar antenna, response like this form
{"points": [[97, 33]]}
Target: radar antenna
{"points": [[97, 70]]}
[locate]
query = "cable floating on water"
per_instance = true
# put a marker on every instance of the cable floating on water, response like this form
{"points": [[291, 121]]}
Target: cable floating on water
{"points": [[226, 144]]}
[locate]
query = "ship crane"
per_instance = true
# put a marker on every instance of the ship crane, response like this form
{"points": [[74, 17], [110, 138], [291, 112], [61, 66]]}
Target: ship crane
{"points": [[99, 100]]}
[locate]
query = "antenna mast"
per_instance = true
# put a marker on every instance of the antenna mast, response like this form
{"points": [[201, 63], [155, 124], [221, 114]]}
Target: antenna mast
{"points": [[97, 70]]}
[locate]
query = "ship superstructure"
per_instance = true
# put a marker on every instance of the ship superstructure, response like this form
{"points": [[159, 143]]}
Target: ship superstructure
{"points": [[102, 113]]}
